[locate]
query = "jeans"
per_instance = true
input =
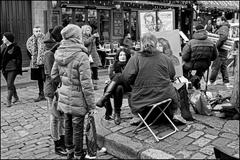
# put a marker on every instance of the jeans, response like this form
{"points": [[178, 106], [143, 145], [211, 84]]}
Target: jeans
{"points": [[74, 126], [219, 64], [10, 77], [56, 119], [40, 87]]}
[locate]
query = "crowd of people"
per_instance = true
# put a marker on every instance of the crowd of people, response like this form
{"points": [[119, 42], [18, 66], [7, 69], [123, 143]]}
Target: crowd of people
{"points": [[65, 63]]}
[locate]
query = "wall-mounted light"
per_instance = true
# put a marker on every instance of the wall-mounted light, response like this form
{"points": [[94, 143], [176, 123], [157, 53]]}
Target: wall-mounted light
{"points": [[54, 4], [118, 6]]}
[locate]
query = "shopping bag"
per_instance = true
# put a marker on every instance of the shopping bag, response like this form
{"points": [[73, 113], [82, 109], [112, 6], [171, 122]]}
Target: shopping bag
{"points": [[91, 136], [202, 105]]}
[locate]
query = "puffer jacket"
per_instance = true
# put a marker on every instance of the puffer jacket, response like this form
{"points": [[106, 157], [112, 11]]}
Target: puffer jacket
{"points": [[150, 75], [200, 51], [76, 95], [223, 32], [90, 43]]}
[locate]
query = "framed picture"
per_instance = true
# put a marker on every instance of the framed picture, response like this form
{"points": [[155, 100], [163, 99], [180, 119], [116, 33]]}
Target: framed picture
{"points": [[147, 22], [165, 20]]}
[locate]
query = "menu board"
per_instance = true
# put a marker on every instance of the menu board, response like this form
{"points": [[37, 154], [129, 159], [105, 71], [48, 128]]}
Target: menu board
{"points": [[117, 24]]}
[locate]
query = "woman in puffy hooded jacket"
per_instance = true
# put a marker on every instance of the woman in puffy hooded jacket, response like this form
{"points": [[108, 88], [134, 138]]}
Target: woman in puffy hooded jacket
{"points": [[76, 95]]}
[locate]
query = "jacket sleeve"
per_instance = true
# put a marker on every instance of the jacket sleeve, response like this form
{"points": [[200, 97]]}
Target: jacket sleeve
{"points": [[131, 70], [86, 82], [223, 36], [186, 53], [55, 71], [48, 62], [171, 70], [29, 45], [88, 41], [215, 53], [111, 71], [19, 59]]}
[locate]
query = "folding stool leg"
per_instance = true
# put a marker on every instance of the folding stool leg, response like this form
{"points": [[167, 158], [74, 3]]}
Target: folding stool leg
{"points": [[154, 106], [143, 120]]}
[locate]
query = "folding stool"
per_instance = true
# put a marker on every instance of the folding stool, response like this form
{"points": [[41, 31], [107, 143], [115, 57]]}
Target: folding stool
{"points": [[154, 107]]}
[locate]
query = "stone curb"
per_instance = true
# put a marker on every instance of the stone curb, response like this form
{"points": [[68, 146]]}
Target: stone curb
{"points": [[119, 146]]}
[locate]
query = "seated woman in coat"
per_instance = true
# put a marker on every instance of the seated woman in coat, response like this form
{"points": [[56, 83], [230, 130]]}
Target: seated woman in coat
{"points": [[116, 87], [150, 72]]}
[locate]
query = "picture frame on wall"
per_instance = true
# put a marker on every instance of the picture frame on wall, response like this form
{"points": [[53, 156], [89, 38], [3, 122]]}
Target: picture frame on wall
{"points": [[147, 22], [165, 20]]}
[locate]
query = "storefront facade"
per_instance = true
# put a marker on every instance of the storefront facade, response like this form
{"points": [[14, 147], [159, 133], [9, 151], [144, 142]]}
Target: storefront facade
{"points": [[114, 19]]}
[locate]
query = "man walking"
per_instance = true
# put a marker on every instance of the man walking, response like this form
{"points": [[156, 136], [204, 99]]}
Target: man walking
{"points": [[36, 47], [197, 55], [221, 62]]}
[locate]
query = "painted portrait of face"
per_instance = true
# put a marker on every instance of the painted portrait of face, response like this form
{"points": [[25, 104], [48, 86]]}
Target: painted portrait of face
{"points": [[149, 21], [164, 46]]}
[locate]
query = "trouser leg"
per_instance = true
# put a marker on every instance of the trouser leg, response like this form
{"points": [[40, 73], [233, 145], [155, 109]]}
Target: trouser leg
{"points": [[224, 70]]}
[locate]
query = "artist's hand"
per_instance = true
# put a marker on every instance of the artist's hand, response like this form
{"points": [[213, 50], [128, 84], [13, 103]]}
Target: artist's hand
{"points": [[92, 112], [96, 35]]}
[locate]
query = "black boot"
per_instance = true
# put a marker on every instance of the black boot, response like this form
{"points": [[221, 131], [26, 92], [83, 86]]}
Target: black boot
{"points": [[107, 94], [59, 148], [41, 97], [117, 118], [15, 96], [9, 98], [108, 107]]}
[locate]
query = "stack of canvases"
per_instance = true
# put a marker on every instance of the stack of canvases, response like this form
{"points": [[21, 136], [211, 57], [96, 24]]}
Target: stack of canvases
{"points": [[228, 45]]}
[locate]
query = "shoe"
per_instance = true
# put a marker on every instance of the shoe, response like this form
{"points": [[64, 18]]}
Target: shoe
{"points": [[59, 148], [40, 98], [9, 104], [15, 100], [228, 85], [117, 119], [90, 157], [70, 156], [135, 120], [211, 83], [107, 117]]}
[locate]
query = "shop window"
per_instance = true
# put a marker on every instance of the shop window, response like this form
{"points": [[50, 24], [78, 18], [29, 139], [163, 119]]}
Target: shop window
{"points": [[134, 26], [104, 17], [126, 19], [80, 17], [66, 16]]}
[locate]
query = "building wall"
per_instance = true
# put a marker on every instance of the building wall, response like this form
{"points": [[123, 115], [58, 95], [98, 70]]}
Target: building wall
{"points": [[38, 16]]}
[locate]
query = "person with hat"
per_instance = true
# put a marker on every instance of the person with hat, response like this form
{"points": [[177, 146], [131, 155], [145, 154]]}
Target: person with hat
{"points": [[197, 55], [50, 90], [36, 48], [11, 65], [76, 94]]}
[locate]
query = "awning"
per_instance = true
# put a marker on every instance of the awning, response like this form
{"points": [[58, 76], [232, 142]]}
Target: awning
{"points": [[231, 5]]}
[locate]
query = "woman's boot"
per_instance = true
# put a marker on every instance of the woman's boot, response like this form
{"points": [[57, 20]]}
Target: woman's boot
{"points": [[95, 85], [15, 96], [9, 98], [106, 94], [118, 98]]}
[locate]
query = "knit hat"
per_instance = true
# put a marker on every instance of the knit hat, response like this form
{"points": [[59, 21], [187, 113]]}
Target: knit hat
{"points": [[71, 31], [9, 36], [199, 27], [56, 33]]}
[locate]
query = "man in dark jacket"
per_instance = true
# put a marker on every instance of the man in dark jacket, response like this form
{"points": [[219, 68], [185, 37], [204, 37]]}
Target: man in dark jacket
{"points": [[56, 118], [197, 55], [221, 62]]}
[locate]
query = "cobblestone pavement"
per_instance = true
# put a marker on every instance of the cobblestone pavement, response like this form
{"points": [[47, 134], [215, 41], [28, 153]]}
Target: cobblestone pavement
{"points": [[25, 129]]}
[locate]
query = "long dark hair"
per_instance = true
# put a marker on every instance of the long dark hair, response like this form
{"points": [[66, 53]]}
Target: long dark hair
{"points": [[127, 53]]}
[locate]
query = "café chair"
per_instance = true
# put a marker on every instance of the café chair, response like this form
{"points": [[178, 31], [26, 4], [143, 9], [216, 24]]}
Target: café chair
{"points": [[160, 109]]}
